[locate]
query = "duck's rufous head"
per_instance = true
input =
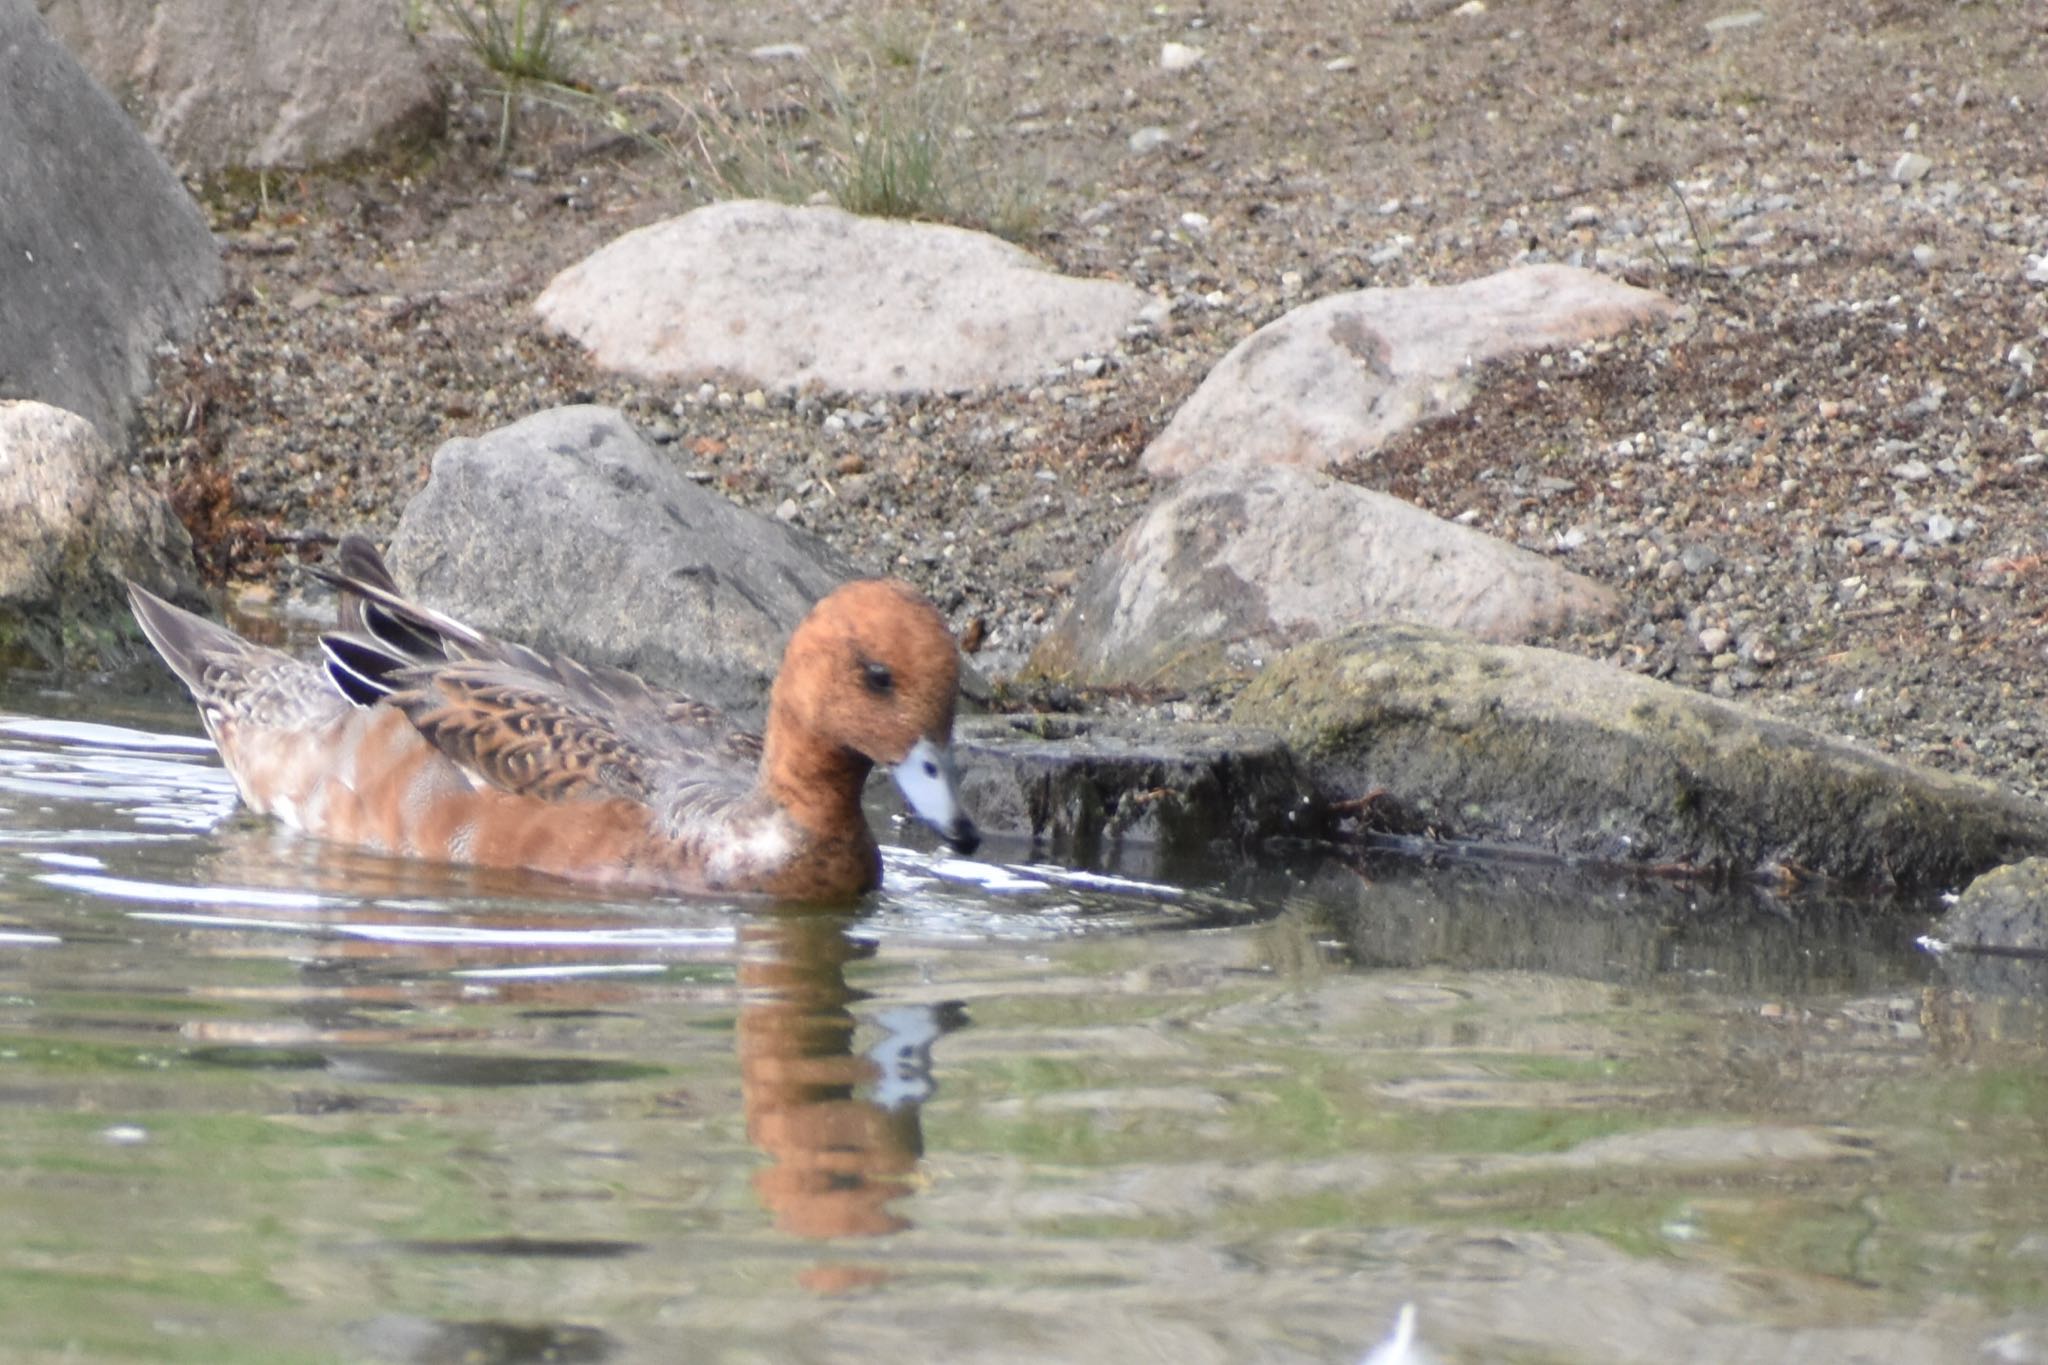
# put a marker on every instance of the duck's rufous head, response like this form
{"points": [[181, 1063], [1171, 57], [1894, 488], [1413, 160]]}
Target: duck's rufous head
{"points": [[874, 670]]}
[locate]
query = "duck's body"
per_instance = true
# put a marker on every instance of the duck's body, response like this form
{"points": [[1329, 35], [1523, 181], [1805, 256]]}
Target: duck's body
{"points": [[424, 738]]}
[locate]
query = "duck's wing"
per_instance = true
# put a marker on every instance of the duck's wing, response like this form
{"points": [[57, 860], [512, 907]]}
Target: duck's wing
{"points": [[522, 721]]}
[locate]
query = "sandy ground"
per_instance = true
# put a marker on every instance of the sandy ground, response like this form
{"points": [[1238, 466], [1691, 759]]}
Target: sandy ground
{"points": [[1823, 491]]}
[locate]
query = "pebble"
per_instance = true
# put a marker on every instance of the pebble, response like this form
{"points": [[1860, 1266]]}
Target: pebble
{"points": [[1179, 56], [1585, 215], [1148, 140], [1727, 23], [1713, 641], [2037, 269], [1910, 167], [1926, 257], [1940, 529], [779, 52], [1697, 559], [1341, 64]]}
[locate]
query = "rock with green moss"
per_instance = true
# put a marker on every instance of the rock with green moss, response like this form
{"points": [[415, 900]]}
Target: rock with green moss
{"points": [[2005, 909], [73, 524], [1529, 746]]}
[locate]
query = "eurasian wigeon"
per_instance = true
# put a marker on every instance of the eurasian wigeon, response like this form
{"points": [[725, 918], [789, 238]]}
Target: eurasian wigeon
{"points": [[423, 737]]}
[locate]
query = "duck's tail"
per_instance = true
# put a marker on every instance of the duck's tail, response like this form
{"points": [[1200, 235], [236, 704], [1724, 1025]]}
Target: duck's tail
{"points": [[193, 646]]}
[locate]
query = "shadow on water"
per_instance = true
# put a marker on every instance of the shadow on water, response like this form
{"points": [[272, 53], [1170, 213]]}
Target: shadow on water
{"points": [[265, 1099]]}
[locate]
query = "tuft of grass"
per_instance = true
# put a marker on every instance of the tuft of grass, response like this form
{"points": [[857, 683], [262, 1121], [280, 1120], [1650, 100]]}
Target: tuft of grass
{"points": [[519, 39], [887, 136]]}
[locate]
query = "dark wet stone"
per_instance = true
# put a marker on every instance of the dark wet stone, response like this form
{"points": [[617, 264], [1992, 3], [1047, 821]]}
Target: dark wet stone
{"points": [[440, 1068], [1537, 748], [426, 1341], [1082, 784]]}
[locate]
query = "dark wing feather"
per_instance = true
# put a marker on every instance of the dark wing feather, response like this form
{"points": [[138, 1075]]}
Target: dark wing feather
{"points": [[519, 720]]}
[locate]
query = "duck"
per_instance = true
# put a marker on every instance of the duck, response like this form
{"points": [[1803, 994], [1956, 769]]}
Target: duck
{"points": [[418, 736]]}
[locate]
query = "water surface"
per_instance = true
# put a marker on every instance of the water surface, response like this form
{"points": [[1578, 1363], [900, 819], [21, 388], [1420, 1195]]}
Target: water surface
{"points": [[265, 1100]]}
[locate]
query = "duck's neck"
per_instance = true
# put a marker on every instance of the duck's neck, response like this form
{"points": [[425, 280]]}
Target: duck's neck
{"points": [[818, 782]]}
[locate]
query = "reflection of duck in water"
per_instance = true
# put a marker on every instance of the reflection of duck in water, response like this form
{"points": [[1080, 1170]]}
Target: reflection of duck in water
{"points": [[423, 737], [840, 1159]]}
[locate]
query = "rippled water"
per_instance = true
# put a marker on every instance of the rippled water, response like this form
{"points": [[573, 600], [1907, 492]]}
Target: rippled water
{"points": [[262, 1100]]}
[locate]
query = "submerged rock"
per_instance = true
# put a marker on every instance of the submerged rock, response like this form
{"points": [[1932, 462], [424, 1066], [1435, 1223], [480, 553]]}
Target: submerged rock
{"points": [[1530, 746], [1082, 785]]}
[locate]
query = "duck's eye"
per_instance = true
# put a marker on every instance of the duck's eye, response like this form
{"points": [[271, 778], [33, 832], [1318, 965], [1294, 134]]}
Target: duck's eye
{"points": [[878, 678]]}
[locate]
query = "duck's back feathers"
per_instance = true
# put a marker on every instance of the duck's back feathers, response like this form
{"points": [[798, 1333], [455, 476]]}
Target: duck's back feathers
{"points": [[518, 720]]}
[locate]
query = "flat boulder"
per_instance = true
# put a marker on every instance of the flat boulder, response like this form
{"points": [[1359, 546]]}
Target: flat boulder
{"points": [[1532, 747], [1235, 564], [74, 524], [565, 531], [1333, 380], [226, 83], [777, 297], [103, 256]]}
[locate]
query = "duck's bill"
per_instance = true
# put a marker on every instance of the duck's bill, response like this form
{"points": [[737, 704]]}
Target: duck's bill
{"points": [[931, 784]]}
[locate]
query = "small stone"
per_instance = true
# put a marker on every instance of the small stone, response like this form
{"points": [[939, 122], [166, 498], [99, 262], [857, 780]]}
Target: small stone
{"points": [[1713, 640], [2037, 269], [1940, 529], [1697, 559], [1179, 56], [1197, 223], [1912, 471], [1911, 167], [1471, 8], [850, 463], [779, 52], [1726, 23], [1341, 64], [1926, 257], [1584, 215], [1290, 282], [786, 510], [755, 399], [1148, 140]]}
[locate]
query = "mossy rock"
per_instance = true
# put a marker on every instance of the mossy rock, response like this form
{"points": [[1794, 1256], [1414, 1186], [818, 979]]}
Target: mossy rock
{"points": [[1530, 746]]}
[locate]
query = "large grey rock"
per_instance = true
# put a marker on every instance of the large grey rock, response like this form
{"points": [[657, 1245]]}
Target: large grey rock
{"points": [[776, 297], [1235, 564], [256, 83], [73, 524], [103, 256], [566, 532], [1334, 379], [1529, 746]]}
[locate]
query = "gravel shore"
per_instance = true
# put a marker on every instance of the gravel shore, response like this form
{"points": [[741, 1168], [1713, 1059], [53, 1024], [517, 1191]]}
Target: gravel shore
{"points": [[1822, 491]]}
